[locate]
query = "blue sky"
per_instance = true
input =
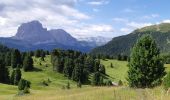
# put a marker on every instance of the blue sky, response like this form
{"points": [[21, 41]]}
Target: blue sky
{"points": [[84, 18]]}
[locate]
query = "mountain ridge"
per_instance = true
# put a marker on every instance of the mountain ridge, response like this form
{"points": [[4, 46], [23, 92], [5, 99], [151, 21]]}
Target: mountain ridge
{"points": [[123, 44], [32, 35]]}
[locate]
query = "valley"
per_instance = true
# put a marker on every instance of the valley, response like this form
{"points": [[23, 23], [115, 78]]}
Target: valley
{"points": [[54, 89]]}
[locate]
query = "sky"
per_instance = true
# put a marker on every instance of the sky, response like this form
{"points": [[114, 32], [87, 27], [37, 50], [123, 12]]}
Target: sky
{"points": [[84, 18]]}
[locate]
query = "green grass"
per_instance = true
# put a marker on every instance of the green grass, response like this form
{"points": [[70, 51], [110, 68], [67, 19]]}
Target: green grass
{"points": [[54, 91], [119, 70]]}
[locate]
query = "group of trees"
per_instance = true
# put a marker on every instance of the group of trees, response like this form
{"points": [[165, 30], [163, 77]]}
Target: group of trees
{"points": [[122, 57], [16, 60], [75, 65]]}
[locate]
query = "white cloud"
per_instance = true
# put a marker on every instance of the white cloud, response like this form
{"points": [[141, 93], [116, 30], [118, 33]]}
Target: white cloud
{"points": [[93, 30], [2, 21], [126, 30], [166, 21], [52, 13], [98, 2], [150, 16], [138, 25]]}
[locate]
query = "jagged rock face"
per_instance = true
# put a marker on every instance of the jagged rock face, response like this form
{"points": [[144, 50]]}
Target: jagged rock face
{"points": [[32, 35], [33, 32], [63, 37]]}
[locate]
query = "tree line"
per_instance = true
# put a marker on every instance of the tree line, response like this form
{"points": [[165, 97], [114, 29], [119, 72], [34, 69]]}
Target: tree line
{"points": [[78, 66]]}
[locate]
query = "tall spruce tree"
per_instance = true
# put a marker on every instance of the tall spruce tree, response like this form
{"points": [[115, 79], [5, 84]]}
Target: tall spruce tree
{"points": [[4, 74], [18, 75], [59, 65], [77, 72], [96, 79], [68, 67], [146, 68], [28, 63], [8, 59], [15, 58]]}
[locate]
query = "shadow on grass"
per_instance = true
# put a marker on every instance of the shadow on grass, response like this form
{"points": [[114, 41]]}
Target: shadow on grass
{"points": [[37, 69]]}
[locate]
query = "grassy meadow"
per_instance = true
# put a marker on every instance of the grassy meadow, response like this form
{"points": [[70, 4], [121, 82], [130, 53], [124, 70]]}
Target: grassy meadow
{"points": [[54, 91]]}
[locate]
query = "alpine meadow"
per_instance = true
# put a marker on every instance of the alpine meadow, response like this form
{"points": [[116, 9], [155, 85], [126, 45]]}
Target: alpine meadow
{"points": [[84, 50]]}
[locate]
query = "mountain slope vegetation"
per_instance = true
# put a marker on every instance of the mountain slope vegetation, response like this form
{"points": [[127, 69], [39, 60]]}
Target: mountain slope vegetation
{"points": [[123, 44]]}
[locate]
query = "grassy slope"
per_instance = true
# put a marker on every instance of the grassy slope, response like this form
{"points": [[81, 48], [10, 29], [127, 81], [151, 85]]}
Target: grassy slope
{"points": [[119, 70], [54, 91]]}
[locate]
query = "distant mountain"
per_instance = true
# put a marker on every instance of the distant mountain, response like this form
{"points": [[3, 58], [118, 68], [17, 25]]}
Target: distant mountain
{"points": [[123, 44], [32, 35], [95, 41], [61, 36], [33, 32]]}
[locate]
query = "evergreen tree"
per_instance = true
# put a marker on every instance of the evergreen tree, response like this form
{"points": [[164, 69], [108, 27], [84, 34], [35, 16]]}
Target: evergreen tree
{"points": [[102, 69], [28, 63], [17, 76], [59, 64], [8, 59], [68, 68], [79, 84], [77, 72], [111, 65], [89, 64], [37, 53], [96, 65], [15, 58], [12, 76], [96, 79], [23, 84], [119, 57], [4, 74], [146, 68]]}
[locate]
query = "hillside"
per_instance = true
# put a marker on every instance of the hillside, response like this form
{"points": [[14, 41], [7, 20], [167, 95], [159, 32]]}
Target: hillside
{"points": [[123, 44], [55, 92]]}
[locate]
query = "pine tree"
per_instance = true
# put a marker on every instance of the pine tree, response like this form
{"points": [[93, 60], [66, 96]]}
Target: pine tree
{"points": [[59, 65], [96, 79], [17, 76], [37, 53], [28, 63], [77, 72], [146, 68], [42, 55], [96, 65], [111, 65], [8, 59], [4, 74], [23, 83], [12, 77], [102, 69], [68, 68], [15, 58]]}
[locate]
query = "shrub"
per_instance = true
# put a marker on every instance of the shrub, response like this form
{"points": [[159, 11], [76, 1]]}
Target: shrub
{"points": [[108, 82], [120, 83], [44, 83], [68, 85], [79, 84], [23, 83], [26, 90]]}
